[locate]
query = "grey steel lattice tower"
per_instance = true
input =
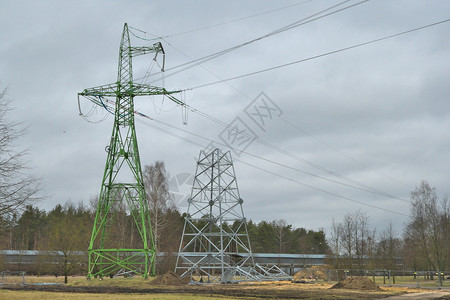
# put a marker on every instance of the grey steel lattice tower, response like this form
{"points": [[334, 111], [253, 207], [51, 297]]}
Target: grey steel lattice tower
{"points": [[215, 243]]}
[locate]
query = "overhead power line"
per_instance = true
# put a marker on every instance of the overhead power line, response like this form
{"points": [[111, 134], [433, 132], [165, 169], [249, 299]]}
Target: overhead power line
{"points": [[309, 19], [287, 153], [324, 191], [261, 168], [342, 154], [235, 20], [359, 186], [298, 23], [163, 37], [335, 52], [304, 132], [108, 103], [320, 55], [363, 187]]}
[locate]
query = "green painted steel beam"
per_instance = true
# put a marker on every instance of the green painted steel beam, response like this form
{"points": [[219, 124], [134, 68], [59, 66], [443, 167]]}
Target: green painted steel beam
{"points": [[123, 157]]}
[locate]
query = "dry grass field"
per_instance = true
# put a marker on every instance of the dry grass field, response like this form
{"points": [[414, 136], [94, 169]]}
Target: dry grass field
{"points": [[29, 295], [139, 288]]}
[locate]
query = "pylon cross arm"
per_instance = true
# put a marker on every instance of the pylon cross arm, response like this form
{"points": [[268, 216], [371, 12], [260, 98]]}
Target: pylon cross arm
{"points": [[106, 90], [136, 51], [135, 89]]}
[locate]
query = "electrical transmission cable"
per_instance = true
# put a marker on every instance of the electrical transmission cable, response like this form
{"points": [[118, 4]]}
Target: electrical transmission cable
{"points": [[298, 23], [365, 188], [360, 188], [391, 36], [235, 20], [343, 154], [258, 167], [106, 103], [317, 56], [320, 55], [275, 32], [161, 37], [321, 142], [282, 151], [324, 191], [312, 164], [283, 165]]}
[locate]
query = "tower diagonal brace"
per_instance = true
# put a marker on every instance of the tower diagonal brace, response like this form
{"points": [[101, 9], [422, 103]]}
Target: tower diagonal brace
{"points": [[215, 242], [122, 182]]}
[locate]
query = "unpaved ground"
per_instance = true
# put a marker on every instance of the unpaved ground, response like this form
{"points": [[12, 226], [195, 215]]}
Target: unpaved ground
{"points": [[423, 296], [170, 283], [281, 290]]}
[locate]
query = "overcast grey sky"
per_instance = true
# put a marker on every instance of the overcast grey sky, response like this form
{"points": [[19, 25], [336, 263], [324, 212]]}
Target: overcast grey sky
{"points": [[375, 117]]}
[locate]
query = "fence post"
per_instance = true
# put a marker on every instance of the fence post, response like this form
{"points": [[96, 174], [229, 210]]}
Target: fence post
{"points": [[440, 279]]}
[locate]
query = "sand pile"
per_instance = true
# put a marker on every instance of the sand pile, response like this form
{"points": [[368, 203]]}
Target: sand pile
{"points": [[357, 283], [169, 278], [315, 272]]}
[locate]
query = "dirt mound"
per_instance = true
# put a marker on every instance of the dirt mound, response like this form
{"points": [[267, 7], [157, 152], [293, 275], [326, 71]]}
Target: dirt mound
{"points": [[313, 273], [357, 283], [169, 278]]}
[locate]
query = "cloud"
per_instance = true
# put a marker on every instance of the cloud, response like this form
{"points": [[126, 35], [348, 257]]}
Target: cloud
{"points": [[377, 114]]}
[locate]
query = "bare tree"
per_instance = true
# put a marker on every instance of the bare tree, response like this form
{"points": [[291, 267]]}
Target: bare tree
{"points": [[428, 227], [281, 230], [353, 237], [158, 197], [371, 249], [348, 228], [67, 234], [362, 235], [388, 248], [16, 187], [335, 244]]}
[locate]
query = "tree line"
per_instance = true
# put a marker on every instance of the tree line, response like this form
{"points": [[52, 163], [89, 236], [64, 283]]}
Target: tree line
{"points": [[351, 243], [67, 229], [424, 243]]}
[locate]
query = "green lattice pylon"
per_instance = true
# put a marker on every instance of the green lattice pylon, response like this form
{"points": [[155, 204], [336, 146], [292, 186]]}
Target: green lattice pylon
{"points": [[122, 180]]}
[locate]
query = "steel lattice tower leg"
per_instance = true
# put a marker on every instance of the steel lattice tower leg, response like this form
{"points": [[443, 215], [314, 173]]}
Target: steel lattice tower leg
{"points": [[122, 180], [215, 242]]}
